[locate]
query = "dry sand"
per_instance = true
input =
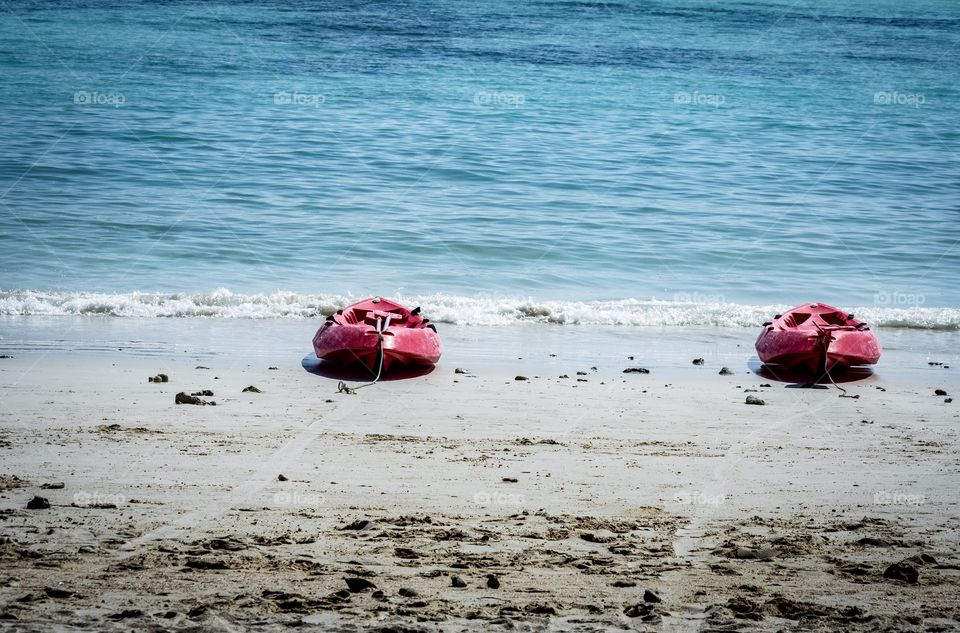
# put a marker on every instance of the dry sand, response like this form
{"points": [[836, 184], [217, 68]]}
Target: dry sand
{"points": [[578, 495]]}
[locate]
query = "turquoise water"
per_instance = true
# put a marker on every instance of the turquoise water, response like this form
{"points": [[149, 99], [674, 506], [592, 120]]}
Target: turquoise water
{"points": [[691, 153]]}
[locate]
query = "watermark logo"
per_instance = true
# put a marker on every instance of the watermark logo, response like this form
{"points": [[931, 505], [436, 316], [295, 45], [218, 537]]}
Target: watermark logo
{"points": [[698, 297], [699, 99], [899, 299], [885, 498], [85, 499], [499, 99], [690, 498], [94, 98], [298, 99], [483, 498], [298, 499], [913, 99]]}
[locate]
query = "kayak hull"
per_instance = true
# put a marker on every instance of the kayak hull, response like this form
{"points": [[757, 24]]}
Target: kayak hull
{"points": [[813, 335], [361, 333]]}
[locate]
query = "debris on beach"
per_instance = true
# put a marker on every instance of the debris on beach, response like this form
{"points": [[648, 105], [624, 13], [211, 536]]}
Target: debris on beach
{"points": [[205, 392], [281, 477], [755, 400], [461, 370], [251, 389], [183, 398], [357, 585], [902, 571], [493, 582], [159, 378], [636, 370], [38, 503], [521, 378], [510, 480], [57, 592], [697, 361], [54, 485], [649, 596], [726, 371], [939, 392]]}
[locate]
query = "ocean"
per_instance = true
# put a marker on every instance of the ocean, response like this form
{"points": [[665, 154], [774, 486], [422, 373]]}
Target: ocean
{"points": [[568, 162]]}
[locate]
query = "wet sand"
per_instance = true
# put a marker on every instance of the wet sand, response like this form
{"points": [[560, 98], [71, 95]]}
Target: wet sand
{"points": [[463, 501]]}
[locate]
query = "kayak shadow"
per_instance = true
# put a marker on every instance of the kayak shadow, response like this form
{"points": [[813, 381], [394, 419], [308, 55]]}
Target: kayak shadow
{"points": [[358, 372], [806, 379]]}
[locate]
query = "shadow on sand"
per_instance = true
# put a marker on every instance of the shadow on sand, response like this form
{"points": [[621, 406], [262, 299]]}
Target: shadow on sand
{"points": [[358, 372], [805, 379]]}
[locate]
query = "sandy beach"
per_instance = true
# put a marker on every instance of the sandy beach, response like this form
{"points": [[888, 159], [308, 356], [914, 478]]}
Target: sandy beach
{"points": [[581, 498]]}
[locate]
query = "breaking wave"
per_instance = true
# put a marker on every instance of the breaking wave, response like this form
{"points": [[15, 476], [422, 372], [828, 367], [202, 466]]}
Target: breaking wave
{"points": [[460, 310]]}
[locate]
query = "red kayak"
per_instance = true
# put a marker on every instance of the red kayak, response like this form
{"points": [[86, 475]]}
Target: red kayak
{"points": [[375, 331], [815, 337]]}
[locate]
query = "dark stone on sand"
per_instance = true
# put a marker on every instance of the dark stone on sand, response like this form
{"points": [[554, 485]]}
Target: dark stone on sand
{"points": [[636, 370], [581, 373], [921, 559], [200, 563], [726, 371], [227, 544], [540, 609], [5, 356], [251, 389], [38, 503], [755, 400], [405, 552], [750, 553], [57, 592], [55, 485], [183, 398], [126, 614], [649, 596], [521, 378], [564, 376], [205, 392], [638, 610], [948, 400], [461, 370], [273, 368], [407, 593], [903, 571], [510, 480], [281, 477], [359, 524], [356, 585], [163, 378], [697, 361], [939, 392], [623, 583], [457, 581], [493, 582]]}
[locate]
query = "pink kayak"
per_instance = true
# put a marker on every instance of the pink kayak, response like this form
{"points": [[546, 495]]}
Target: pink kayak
{"points": [[377, 330], [816, 336]]}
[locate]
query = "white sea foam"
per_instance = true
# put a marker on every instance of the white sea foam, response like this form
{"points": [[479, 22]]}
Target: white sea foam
{"points": [[443, 308]]}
